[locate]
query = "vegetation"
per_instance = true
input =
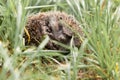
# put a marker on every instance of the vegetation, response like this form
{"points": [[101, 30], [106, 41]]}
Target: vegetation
{"points": [[98, 58]]}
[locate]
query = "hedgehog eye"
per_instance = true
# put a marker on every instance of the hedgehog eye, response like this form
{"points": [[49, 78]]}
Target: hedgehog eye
{"points": [[60, 18], [49, 29]]}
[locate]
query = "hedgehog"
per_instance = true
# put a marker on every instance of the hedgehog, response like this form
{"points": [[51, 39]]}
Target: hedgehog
{"points": [[59, 26]]}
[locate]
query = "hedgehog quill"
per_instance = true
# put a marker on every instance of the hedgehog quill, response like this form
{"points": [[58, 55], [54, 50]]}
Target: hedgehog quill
{"points": [[59, 26]]}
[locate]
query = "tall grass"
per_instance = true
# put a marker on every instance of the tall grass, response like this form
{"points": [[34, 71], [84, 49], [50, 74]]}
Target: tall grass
{"points": [[97, 58], [101, 25]]}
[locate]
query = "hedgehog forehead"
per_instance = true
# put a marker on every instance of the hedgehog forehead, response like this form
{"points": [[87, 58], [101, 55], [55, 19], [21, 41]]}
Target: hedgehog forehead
{"points": [[53, 18]]}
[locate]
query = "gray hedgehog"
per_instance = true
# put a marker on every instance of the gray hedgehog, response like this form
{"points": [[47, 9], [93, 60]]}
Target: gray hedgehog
{"points": [[57, 25]]}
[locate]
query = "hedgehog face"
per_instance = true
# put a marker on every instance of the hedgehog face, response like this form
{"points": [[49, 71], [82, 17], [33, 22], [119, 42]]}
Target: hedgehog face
{"points": [[58, 30]]}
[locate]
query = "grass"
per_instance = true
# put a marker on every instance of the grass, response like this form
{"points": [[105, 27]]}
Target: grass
{"points": [[97, 58]]}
